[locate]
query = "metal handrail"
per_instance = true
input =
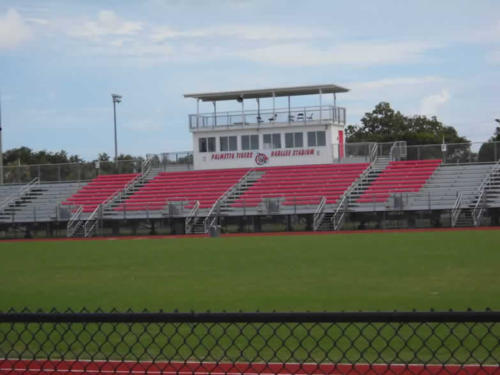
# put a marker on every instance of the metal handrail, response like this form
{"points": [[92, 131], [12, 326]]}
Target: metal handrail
{"points": [[188, 223], [74, 222], [256, 112], [91, 221], [478, 209], [373, 152], [18, 194], [267, 116], [339, 214], [457, 208], [319, 214]]}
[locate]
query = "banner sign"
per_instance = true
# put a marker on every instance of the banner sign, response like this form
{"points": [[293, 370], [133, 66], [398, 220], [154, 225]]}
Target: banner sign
{"points": [[262, 158]]}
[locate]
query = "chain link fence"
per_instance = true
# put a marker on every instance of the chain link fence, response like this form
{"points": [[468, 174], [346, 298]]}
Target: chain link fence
{"points": [[66, 172], [250, 343], [473, 152]]}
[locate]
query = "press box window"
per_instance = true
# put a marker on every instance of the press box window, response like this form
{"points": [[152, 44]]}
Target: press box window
{"points": [[207, 144], [293, 140], [228, 143], [272, 140], [249, 142], [316, 139]]}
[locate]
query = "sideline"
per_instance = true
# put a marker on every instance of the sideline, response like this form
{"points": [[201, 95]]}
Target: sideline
{"points": [[257, 234]]}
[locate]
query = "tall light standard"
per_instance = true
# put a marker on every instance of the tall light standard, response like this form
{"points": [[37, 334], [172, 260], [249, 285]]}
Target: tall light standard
{"points": [[116, 99]]}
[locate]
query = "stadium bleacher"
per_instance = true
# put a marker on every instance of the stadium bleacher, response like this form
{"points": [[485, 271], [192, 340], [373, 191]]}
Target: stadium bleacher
{"points": [[99, 190], [399, 177], [302, 184], [205, 186]]}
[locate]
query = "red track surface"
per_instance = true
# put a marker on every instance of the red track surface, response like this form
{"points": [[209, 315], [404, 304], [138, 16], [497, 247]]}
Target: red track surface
{"points": [[263, 234], [42, 367]]}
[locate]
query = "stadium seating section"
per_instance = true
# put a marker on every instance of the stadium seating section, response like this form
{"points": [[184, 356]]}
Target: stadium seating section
{"points": [[99, 190], [301, 185], [206, 186], [399, 177]]}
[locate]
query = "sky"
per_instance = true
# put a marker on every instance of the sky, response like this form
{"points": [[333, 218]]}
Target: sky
{"points": [[60, 60]]}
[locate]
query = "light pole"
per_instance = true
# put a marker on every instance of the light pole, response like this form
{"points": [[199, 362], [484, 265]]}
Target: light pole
{"points": [[116, 99]]}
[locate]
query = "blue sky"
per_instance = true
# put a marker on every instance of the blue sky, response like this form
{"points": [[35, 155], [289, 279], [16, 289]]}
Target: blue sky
{"points": [[60, 60]]}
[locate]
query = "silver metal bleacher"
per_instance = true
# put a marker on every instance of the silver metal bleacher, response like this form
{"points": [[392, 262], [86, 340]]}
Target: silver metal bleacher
{"points": [[41, 203], [443, 187]]}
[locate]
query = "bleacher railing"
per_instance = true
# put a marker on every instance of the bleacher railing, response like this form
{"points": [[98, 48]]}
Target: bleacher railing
{"points": [[19, 193], [345, 343], [480, 204], [473, 152], [65, 172], [457, 208], [268, 117]]}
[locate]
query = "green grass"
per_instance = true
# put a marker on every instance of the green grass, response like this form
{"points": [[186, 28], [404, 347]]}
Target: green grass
{"points": [[363, 271]]}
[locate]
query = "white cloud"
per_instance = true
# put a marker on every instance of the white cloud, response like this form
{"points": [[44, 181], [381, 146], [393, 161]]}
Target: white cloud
{"points": [[248, 32], [392, 82], [13, 30], [355, 53], [431, 104], [107, 23]]}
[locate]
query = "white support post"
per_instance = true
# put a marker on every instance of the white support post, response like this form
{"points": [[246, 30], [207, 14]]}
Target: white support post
{"points": [[215, 112], [243, 120], [320, 106], [274, 104], [289, 113], [197, 113], [334, 107], [259, 120]]}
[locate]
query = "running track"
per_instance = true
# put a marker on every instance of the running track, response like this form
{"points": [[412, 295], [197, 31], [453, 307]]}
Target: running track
{"points": [[253, 234], [80, 367]]}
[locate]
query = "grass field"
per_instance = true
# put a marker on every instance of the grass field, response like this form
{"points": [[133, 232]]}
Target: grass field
{"points": [[363, 271]]}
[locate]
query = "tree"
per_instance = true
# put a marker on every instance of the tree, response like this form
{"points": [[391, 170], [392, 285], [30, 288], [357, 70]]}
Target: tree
{"points": [[25, 155], [384, 124], [103, 157], [490, 151]]}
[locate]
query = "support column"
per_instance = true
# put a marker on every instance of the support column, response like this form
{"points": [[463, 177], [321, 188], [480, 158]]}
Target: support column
{"points": [[320, 106], [215, 112], [274, 105], [258, 111], [243, 121], [197, 113], [289, 113], [335, 116]]}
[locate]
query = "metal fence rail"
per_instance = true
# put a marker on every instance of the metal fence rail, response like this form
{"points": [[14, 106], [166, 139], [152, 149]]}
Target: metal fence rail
{"points": [[250, 343]]}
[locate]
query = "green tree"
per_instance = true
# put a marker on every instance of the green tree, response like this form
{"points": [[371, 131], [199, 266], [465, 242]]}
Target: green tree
{"points": [[490, 150], [384, 124]]}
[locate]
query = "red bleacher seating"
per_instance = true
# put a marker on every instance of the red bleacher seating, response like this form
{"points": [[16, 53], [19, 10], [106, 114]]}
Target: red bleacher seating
{"points": [[302, 185], [205, 186], [99, 190], [399, 177]]}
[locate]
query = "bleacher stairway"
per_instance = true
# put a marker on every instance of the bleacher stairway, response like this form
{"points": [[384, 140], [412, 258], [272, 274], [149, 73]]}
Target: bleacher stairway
{"points": [[110, 210], [42, 202]]}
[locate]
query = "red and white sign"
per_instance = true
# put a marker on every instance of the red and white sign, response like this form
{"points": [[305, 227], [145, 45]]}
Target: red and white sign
{"points": [[262, 158]]}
